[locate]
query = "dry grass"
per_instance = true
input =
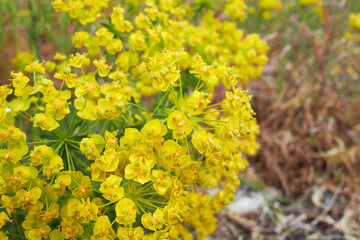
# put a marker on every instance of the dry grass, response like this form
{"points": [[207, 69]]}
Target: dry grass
{"points": [[308, 107]]}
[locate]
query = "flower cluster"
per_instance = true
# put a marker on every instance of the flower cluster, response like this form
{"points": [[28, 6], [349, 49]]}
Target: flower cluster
{"points": [[354, 27], [310, 2], [268, 6], [123, 138], [354, 20]]}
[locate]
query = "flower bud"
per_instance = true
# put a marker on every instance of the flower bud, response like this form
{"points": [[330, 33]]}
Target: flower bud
{"points": [[67, 69], [55, 171]]}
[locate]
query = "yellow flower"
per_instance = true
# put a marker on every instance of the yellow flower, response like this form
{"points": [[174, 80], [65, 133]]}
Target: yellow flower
{"points": [[119, 76], [88, 86], [79, 60], [114, 45], [137, 41], [3, 219], [79, 38], [47, 89], [163, 69], [270, 4], [153, 131], [204, 72], [61, 182], [201, 140], [83, 187], [108, 161], [40, 155], [173, 157], [92, 46], [26, 199], [13, 156], [103, 229], [25, 173], [354, 20], [152, 12], [124, 26], [38, 233], [178, 122], [44, 122], [228, 76], [58, 56], [111, 188], [5, 90], [153, 221], [236, 9], [142, 21], [58, 106], [117, 14], [54, 166], [308, 2], [69, 230], [130, 233], [82, 210], [138, 171], [197, 102], [35, 67], [103, 68], [172, 213], [111, 140], [162, 181], [125, 212], [3, 236], [50, 66], [103, 36], [22, 59], [66, 76], [19, 80], [92, 147]]}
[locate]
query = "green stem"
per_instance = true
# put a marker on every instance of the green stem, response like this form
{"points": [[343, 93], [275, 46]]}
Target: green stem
{"points": [[148, 204], [214, 105], [72, 124], [149, 194], [222, 110], [175, 98], [161, 101], [24, 116], [106, 204], [155, 201], [208, 123], [61, 87], [187, 145], [138, 106], [68, 157], [211, 120], [181, 93], [197, 84], [44, 142], [18, 226], [58, 148], [200, 86], [126, 120], [74, 146], [87, 126], [52, 180], [85, 167], [140, 207]]}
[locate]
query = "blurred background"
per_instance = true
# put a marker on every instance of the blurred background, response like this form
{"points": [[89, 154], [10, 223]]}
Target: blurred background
{"points": [[304, 181]]}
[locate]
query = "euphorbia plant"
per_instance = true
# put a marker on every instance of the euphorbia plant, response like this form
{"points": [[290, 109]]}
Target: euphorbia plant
{"points": [[123, 138]]}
